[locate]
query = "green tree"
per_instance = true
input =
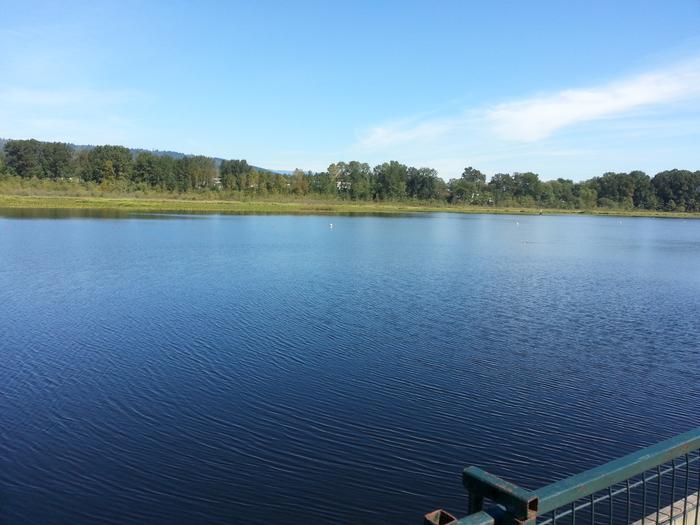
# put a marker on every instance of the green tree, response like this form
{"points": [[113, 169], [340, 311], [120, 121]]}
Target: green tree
{"points": [[155, 170], [298, 183], [424, 184], [56, 160], [527, 187], [644, 195], [80, 163], [351, 180], [322, 184], [678, 190], [560, 193], [502, 187], [195, 172], [252, 181], [473, 175], [586, 196], [23, 158], [276, 183], [233, 174], [470, 188], [359, 176], [390, 180], [614, 190], [105, 162]]}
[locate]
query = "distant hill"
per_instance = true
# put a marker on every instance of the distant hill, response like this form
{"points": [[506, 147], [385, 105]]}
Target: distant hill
{"points": [[160, 153]]}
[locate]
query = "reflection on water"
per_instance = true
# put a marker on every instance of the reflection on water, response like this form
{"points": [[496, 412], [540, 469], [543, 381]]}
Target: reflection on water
{"points": [[121, 213], [62, 213]]}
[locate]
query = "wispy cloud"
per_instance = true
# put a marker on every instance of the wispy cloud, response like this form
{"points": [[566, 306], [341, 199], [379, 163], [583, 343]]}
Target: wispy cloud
{"points": [[504, 134], [536, 118], [408, 130]]}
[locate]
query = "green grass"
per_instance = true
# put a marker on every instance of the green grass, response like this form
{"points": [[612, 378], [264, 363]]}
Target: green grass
{"points": [[298, 206]]}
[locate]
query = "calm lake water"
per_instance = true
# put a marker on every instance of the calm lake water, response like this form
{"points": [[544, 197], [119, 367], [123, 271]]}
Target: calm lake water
{"points": [[234, 369]]}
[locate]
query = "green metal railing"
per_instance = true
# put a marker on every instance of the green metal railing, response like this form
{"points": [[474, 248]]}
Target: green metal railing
{"points": [[644, 482]]}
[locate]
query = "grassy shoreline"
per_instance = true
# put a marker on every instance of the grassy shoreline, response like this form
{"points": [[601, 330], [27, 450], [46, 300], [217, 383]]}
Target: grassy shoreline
{"points": [[160, 204]]}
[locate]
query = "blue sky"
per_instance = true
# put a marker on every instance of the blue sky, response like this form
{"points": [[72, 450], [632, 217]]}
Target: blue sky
{"points": [[566, 89]]}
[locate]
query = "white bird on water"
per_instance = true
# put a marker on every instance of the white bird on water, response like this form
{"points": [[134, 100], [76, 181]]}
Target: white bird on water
{"points": [[330, 226]]}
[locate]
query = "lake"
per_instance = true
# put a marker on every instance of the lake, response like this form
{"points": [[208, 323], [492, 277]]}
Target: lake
{"points": [[173, 369]]}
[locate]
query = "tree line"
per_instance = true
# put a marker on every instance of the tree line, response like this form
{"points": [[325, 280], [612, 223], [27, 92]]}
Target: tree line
{"points": [[672, 190]]}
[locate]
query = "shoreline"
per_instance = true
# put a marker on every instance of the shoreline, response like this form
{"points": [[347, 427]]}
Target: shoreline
{"points": [[311, 207]]}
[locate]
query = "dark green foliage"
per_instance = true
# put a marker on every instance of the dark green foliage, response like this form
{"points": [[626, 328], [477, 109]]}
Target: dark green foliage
{"points": [[390, 181], [586, 196], [108, 162], [350, 180], [502, 187], [615, 188], [322, 184], [560, 193], [233, 174], [56, 160], [238, 175], [470, 187], [424, 184], [527, 187], [155, 170], [625, 190], [678, 190], [195, 172], [43, 160], [23, 158], [643, 196], [359, 176], [115, 167]]}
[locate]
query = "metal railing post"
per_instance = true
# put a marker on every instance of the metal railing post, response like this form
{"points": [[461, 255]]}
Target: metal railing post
{"points": [[519, 505], [514, 505]]}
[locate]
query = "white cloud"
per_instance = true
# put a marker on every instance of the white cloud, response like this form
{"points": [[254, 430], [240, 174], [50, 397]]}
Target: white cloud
{"points": [[536, 118], [406, 131], [631, 110]]}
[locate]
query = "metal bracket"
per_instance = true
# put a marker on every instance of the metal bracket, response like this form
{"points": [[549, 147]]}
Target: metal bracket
{"points": [[521, 504]]}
